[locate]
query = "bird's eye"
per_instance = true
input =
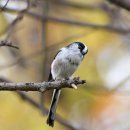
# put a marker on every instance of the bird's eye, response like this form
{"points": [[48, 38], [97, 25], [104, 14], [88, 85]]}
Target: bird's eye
{"points": [[81, 48]]}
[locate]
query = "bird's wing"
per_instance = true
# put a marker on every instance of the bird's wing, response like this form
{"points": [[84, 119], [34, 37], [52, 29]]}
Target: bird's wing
{"points": [[50, 75]]}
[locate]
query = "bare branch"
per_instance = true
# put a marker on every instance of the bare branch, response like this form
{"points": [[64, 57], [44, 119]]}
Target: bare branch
{"points": [[19, 17], [9, 44], [75, 5], [74, 22], [5, 5], [121, 3], [41, 87], [90, 25], [44, 110]]}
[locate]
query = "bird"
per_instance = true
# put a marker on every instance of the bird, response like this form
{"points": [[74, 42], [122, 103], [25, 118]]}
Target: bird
{"points": [[65, 63]]}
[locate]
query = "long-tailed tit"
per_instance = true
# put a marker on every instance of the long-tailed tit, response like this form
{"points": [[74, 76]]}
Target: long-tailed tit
{"points": [[63, 66]]}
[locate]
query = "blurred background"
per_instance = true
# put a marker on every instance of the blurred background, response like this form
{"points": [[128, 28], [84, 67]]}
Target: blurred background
{"points": [[39, 28]]}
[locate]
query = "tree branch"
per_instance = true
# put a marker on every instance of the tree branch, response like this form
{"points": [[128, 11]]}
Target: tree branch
{"points": [[121, 3], [9, 44], [76, 5], [73, 22], [44, 110], [5, 5], [41, 87]]}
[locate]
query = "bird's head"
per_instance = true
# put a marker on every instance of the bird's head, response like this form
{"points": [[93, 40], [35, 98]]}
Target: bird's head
{"points": [[78, 46]]}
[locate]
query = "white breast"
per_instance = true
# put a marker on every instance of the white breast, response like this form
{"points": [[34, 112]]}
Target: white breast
{"points": [[65, 64]]}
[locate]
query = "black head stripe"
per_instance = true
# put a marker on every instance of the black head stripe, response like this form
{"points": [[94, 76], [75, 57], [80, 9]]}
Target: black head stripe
{"points": [[80, 45]]}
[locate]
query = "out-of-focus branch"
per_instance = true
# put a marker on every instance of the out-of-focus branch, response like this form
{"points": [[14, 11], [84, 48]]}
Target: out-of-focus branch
{"points": [[81, 24], [10, 27], [121, 3], [42, 50], [19, 17], [90, 25], [74, 22], [41, 87], [4, 5], [44, 110], [76, 5], [9, 44]]}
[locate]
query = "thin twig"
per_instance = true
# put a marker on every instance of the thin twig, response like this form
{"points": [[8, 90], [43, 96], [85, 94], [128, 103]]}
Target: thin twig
{"points": [[89, 25], [19, 17], [9, 44]]}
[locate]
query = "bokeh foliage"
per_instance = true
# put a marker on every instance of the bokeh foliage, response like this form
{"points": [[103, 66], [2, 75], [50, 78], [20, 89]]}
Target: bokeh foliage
{"points": [[94, 106]]}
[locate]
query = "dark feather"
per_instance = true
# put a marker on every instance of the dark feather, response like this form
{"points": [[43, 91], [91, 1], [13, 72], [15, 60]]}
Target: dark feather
{"points": [[50, 78], [57, 53], [52, 111]]}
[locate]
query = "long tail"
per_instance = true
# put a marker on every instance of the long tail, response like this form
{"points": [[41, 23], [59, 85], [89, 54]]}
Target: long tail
{"points": [[52, 111]]}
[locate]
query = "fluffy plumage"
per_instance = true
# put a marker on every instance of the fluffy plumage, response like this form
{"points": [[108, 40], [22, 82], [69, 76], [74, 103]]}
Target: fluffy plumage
{"points": [[63, 66]]}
